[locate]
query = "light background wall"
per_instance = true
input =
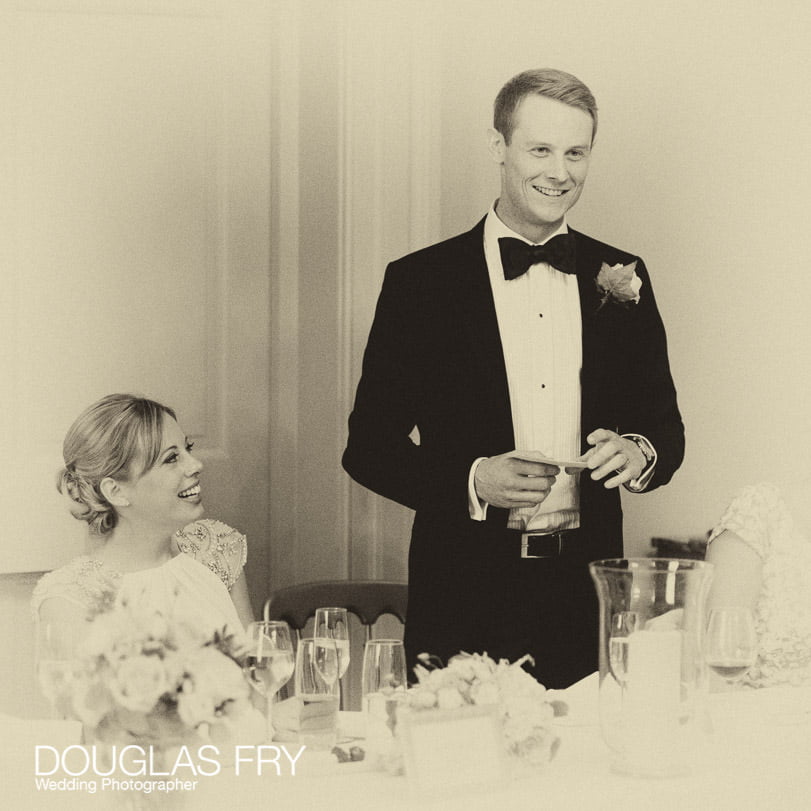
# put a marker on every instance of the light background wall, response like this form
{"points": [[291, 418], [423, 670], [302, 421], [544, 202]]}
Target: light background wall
{"points": [[363, 138], [134, 256]]}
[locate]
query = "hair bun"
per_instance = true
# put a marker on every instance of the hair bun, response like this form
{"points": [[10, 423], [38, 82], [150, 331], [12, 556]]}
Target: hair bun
{"points": [[87, 504]]}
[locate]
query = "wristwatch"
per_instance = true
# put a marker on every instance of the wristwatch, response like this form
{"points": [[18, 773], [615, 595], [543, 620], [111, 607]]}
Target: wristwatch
{"points": [[638, 484]]}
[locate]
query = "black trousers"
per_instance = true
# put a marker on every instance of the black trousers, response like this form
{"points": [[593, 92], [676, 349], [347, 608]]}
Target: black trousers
{"points": [[470, 590]]}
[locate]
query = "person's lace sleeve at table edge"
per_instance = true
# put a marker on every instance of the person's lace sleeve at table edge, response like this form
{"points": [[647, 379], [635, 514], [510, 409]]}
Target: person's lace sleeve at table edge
{"points": [[753, 515]]}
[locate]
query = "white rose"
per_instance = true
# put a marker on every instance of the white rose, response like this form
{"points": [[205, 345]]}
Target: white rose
{"points": [[636, 286], [448, 698], [422, 699], [240, 724], [194, 708], [139, 682], [91, 701], [485, 693], [211, 679]]}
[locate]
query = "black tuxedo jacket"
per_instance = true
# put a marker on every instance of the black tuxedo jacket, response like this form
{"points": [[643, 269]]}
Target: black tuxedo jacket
{"points": [[434, 361]]}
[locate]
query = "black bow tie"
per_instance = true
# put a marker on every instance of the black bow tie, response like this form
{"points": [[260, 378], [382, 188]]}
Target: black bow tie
{"points": [[517, 256]]}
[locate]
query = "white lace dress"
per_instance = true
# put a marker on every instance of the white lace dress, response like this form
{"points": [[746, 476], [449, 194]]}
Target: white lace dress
{"points": [[760, 517], [210, 559]]}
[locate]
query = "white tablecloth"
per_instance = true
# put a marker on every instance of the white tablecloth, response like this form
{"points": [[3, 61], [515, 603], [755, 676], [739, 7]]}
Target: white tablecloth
{"points": [[757, 756]]}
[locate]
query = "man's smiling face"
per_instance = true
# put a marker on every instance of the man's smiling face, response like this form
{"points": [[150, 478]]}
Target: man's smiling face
{"points": [[544, 166]]}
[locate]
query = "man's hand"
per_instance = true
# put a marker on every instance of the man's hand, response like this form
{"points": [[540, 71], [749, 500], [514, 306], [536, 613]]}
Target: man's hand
{"points": [[504, 481], [613, 454]]}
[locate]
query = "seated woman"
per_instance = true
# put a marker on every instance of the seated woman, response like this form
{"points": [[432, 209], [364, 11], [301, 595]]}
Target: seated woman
{"points": [[130, 474], [761, 550]]}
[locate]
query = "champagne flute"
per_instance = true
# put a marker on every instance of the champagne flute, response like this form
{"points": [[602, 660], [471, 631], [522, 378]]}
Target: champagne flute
{"points": [[333, 623], [730, 644], [269, 662], [383, 688]]}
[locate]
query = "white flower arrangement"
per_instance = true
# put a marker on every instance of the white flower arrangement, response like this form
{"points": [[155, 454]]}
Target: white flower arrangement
{"points": [[476, 679], [146, 678]]}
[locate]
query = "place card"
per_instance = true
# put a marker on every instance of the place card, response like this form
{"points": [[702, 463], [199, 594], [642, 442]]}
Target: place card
{"points": [[450, 751]]}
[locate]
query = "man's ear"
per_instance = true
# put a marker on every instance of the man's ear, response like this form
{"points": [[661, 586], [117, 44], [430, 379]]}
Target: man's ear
{"points": [[113, 492], [496, 145]]}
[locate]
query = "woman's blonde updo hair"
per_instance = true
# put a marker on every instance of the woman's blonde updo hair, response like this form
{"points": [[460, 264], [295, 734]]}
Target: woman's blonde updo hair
{"points": [[118, 437]]}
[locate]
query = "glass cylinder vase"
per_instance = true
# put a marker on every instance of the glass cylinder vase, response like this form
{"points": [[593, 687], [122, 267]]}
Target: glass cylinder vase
{"points": [[653, 680]]}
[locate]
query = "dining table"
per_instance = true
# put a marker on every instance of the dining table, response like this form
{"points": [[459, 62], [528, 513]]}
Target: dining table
{"points": [[754, 753]]}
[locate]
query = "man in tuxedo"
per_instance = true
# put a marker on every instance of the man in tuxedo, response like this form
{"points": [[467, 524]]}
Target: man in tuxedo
{"points": [[512, 348]]}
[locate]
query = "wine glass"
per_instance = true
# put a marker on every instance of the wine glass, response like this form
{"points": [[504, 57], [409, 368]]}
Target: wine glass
{"points": [[269, 662], [623, 624], [332, 623], [383, 688], [730, 644], [55, 656]]}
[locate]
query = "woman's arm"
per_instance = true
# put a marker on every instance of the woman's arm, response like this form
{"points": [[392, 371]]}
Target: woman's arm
{"points": [[242, 600], [738, 572]]}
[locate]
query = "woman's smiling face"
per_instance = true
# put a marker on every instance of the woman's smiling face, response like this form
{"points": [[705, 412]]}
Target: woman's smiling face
{"points": [[168, 493]]}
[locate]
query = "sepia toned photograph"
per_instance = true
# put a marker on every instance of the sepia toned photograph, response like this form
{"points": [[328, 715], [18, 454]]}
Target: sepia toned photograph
{"points": [[406, 404]]}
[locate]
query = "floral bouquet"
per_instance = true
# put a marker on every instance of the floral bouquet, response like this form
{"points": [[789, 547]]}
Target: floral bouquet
{"points": [[142, 677], [476, 680]]}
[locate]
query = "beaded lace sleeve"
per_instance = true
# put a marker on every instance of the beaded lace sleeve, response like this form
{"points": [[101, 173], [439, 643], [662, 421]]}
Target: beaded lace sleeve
{"points": [[221, 548], [83, 582], [753, 516]]}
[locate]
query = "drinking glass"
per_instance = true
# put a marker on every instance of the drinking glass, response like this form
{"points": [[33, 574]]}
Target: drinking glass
{"points": [[730, 644], [55, 656], [317, 692], [332, 623], [269, 663], [383, 688]]}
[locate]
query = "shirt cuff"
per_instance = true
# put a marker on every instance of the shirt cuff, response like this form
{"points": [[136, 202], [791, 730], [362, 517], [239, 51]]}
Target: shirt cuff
{"points": [[476, 507], [639, 484]]}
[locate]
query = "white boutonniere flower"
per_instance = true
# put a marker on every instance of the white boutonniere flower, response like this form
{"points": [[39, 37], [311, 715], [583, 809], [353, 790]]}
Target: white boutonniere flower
{"points": [[618, 283]]}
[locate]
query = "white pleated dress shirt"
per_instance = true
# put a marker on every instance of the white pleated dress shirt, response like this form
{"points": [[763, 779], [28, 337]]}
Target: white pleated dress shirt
{"points": [[539, 323]]}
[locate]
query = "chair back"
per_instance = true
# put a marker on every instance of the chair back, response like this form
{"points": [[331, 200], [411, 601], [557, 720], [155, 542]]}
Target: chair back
{"points": [[372, 602]]}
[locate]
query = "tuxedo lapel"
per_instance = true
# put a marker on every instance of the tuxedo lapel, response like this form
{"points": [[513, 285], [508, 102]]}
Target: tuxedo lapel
{"points": [[477, 314], [604, 339], [588, 263]]}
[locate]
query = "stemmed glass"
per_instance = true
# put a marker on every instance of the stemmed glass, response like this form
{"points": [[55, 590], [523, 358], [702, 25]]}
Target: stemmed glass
{"points": [[730, 644], [383, 688], [269, 663], [332, 623], [56, 650]]}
